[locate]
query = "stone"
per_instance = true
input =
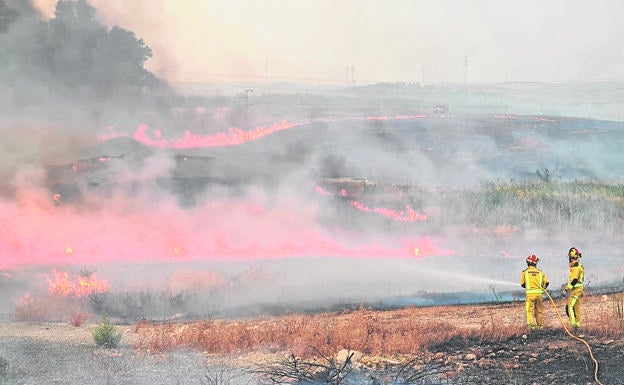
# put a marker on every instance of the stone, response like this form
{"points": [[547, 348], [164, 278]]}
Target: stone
{"points": [[342, 355]]}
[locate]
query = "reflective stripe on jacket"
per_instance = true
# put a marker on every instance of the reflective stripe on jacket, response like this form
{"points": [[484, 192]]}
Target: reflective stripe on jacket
{"points": [[577, 275], [534, 280]]}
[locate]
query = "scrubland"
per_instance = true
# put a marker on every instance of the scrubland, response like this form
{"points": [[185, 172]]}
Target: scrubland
{"points": [[461, 344]]}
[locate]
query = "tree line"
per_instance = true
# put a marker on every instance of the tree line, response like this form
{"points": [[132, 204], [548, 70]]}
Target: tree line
{"points": [[70, 55]]}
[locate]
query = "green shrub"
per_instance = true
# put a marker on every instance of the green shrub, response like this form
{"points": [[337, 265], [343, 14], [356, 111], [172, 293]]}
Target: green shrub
{"points": [[106, 334]]}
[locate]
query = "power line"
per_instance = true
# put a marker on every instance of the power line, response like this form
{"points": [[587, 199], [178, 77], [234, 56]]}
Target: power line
{"points": [[351, 78], [416, 92], [235, 75]]}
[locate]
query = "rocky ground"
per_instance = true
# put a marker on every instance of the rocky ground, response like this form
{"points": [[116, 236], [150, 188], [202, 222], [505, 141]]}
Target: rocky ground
{"points": [[55, 353]]}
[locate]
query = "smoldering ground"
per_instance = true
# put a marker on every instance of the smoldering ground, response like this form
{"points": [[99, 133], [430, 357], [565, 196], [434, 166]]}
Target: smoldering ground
{"points": [[254, 236]]}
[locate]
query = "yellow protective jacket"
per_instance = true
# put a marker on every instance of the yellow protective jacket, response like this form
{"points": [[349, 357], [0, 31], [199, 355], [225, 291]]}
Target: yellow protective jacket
{"points": [[533, 280], [577, 275]]}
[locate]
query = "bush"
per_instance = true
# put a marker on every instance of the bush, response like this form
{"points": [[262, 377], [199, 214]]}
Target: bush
{"points": [[31, 309], [78, 318], [106, 334], [50, 308]]}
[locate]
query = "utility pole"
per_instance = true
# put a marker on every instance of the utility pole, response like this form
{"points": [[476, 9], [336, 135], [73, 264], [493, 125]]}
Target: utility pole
{"points": [[246, 96], [350, 76]]}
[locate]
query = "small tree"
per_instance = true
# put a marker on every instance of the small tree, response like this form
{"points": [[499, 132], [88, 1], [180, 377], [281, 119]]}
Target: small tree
{"points": [[106, 334]]}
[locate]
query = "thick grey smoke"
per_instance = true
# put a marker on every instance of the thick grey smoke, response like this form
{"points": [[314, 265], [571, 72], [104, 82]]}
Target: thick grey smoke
{"points": [[243, 226]]}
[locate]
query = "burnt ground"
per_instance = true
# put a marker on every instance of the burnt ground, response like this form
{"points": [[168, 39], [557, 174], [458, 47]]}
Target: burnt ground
{"points": [[58, 353], [544, 357], [547, 357]]}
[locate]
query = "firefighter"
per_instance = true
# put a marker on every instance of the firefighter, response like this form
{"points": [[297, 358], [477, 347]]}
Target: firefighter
{"points": [[534, 281], [575, 287]]}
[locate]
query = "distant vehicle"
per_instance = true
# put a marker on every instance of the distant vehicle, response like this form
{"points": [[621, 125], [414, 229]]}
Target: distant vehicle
{"points": [[350, 184], [440, 108]]}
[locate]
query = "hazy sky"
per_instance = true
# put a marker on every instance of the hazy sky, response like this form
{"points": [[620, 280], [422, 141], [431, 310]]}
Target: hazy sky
{"points": [[384, 40]]}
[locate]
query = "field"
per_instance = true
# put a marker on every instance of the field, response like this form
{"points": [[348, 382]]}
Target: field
{"points": [[247, 263], [193, 224], [486, 344]]}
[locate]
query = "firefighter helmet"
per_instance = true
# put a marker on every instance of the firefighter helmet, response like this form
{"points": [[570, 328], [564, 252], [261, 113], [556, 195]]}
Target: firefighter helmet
{"points": [[532, 259], [574, 253]]}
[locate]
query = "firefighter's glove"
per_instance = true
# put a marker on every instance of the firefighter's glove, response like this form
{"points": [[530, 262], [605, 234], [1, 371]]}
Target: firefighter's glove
{"points": [[564, 293]]}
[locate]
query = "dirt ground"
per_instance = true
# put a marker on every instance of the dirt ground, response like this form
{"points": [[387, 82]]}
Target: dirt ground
{"points": [[57, 353]]}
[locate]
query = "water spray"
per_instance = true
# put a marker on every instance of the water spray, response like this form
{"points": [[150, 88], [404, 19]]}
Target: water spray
{"points": [[469, 277]]}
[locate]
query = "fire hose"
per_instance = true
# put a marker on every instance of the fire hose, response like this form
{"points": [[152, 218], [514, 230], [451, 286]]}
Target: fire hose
{"points": [[575, 337]]}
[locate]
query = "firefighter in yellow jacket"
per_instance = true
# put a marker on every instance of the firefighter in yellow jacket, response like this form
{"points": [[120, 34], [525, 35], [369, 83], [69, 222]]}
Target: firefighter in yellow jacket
{"points": [[575, 287], [534, 281]]}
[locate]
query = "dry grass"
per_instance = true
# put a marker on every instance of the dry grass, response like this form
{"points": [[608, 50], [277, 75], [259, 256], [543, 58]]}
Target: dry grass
{"points": [[78, 318], [609, 320], [52, 308], [407, 331], [618, 305], [31, 309]]}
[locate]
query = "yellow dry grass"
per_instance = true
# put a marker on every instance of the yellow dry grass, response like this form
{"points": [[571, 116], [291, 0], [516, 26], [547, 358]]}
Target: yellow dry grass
{"points": [[410, 330]]}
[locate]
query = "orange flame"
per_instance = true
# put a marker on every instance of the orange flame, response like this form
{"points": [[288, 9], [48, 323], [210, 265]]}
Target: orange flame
{"points": [[409, 215], [233, 136], [62, 285]]}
